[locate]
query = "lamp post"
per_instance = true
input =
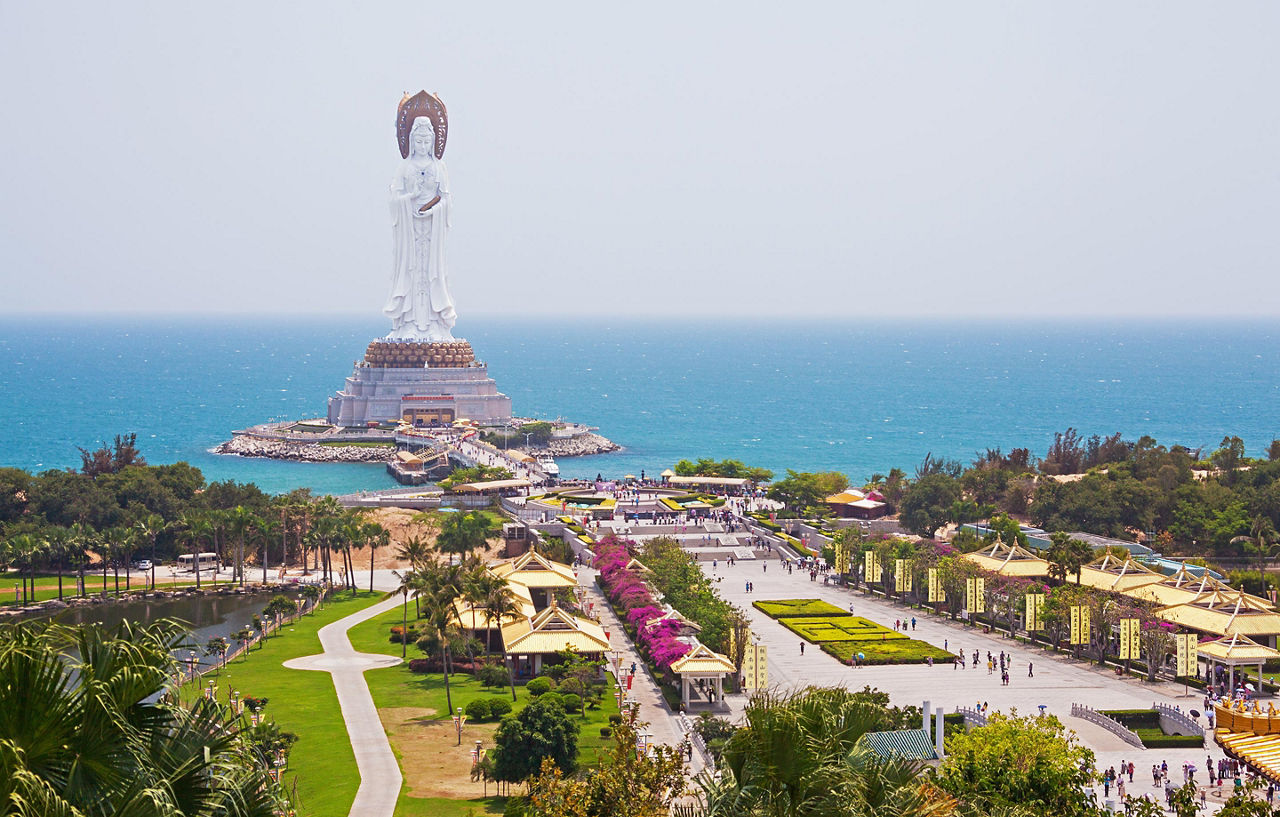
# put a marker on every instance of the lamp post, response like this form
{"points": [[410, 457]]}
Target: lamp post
{"points": [[457, 721], [191, 663]]}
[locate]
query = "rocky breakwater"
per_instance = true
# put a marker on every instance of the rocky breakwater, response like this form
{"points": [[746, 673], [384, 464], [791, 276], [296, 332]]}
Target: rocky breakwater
{"points": [[579, 445], [244, 445]]}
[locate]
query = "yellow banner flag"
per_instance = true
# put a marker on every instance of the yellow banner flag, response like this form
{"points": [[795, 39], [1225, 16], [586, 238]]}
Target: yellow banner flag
{"points": [[1129, 641], [935, 587], [1035, 612], [1075, 624], [901, 576], [842, 558], [1188, 664], [975, 595], [872, 568]]}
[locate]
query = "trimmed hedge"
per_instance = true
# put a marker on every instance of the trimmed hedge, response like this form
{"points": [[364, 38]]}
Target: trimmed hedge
{"points": [[789, 608], [1146, 723], [898, 651], [839, 628], [1160, 740]]}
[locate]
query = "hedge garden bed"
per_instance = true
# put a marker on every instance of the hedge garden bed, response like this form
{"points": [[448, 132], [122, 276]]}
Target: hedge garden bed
{"points": [[789, 608], [827, 629], [1146, 723], [843, 635], [899, 651]]}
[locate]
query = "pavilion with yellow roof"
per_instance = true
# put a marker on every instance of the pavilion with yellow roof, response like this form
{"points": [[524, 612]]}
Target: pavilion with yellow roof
{"points": [[701, 663], [528, 642]]}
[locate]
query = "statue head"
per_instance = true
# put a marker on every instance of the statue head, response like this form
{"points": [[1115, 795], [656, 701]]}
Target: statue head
{"points": [[422, 138]]}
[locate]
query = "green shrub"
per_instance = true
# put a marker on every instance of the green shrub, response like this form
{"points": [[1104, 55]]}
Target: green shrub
{"points": [[477, 710], [514, 807], [552, 697], [539, 686], [493, 675], [572, 701], [499, 707], [786, 608], [615, 719], [894, 651], [605, 731]]}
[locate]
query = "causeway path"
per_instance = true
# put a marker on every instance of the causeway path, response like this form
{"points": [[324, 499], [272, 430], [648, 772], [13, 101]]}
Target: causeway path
{"points": [[380, 779]]}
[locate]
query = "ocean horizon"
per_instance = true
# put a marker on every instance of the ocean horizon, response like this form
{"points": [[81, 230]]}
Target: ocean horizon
{"points": [[856, 395]]}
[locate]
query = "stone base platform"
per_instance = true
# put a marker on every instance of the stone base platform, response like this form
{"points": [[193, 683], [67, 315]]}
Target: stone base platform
{"points": [[424, 384]]}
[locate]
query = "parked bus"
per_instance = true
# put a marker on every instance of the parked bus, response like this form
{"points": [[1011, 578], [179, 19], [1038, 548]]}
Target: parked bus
{"points": [[208, 561]]}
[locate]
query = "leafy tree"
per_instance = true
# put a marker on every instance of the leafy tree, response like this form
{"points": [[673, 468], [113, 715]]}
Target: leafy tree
{"points": [[111, 460], [1067, 556], [928, 503], [542, 730], [1020, 762], [628, 784], [803, 493]]}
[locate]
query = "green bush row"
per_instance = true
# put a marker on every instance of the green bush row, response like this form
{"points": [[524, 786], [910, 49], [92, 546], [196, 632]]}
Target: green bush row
{"points": [[788, 608], [900, 651], [484, 709]]}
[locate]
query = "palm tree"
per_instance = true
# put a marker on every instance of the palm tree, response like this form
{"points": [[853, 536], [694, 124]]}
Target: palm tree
{"points": [[801, 753], [441, 589], [97, 735], [264, 530], [408, 581], [375, 536], [197, 529], [241, 522], [56, 548], [150, 527], [81, 539], [463, 533], [414, 550], [23, 552]]}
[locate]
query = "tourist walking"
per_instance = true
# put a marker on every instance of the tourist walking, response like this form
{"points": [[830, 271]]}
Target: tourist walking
{"points": [[802, 648], [1031, 670]]}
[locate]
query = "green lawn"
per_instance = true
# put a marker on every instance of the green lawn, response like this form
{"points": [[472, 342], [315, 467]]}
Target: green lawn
{"points": [[304, 702], [397, 687], [786, 608]]}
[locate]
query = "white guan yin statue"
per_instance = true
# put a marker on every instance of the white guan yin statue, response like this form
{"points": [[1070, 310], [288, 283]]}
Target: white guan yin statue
{"points": [[419, 306]]}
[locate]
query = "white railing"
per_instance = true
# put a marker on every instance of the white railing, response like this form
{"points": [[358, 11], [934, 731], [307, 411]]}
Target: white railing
{"points": [[972, 717], [1178, 716], [1110, 724]]}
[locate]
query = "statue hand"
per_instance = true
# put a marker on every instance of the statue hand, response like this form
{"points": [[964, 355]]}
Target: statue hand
{"points": [[424, 208]]}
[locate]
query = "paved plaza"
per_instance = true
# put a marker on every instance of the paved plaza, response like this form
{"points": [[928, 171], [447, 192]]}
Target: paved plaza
{"points": [[1058, 682]]}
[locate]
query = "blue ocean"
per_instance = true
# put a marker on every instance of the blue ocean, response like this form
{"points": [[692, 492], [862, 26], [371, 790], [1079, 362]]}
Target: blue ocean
{"points": [[855, 396]]}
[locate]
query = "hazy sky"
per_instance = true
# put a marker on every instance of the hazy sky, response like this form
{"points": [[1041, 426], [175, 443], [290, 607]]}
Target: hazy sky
{"points": [[656, 158]]}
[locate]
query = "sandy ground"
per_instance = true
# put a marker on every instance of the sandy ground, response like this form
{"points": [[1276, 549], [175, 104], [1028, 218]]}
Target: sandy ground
{"points": [[399, 521], [430, 759]]}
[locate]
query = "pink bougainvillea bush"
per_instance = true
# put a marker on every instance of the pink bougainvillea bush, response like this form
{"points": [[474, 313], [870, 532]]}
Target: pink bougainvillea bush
{"points": [[627, 590]]}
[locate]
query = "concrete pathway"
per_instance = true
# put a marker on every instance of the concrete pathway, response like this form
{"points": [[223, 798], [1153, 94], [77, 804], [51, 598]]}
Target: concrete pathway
{"points": [[664, 725], [379, 772]]}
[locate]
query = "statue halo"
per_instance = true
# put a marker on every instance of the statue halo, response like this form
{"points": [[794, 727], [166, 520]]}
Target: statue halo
{"points": [[421, 104]]}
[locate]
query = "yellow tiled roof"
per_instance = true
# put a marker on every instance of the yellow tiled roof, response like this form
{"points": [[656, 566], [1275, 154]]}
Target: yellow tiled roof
{"points": [[1009, 560], [1120, 575], [474, 617], [1260, 751], [532, 569], [702, 659], [553, 630], [1238, 649], [1225, 613]]}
